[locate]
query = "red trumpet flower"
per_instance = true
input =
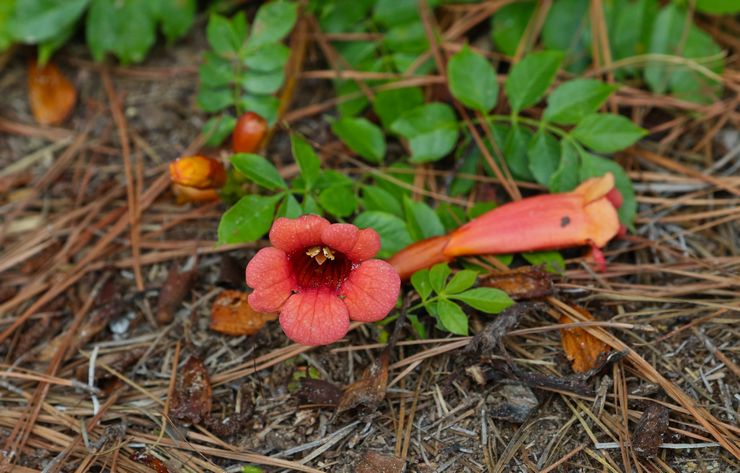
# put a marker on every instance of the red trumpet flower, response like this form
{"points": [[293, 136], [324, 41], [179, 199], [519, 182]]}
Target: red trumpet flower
{"points": [[319, 276], [584, 216]]}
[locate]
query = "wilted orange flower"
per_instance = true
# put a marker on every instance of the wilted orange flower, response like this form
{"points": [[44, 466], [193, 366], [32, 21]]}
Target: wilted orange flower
{"points": [[585, 216]]}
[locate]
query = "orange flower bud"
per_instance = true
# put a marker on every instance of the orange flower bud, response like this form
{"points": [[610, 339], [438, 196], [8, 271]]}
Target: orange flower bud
{"points": [[249, 132], [199, 172]]}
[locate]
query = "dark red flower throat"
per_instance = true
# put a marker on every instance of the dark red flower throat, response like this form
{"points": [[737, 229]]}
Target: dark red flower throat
{"points": [[320, 267]]}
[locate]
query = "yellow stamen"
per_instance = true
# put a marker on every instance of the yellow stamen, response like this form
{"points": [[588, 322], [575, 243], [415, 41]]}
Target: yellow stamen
{"points": [[313, 251], [320, 254], [327, 253]]}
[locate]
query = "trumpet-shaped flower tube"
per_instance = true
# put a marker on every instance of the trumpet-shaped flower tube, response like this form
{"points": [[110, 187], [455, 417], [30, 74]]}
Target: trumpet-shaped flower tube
{"points": [[320, 276], [584, 216]]}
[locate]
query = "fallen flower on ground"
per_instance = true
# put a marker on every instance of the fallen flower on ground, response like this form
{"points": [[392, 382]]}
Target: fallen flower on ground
{"points": [[320, 276], [52, 97], [196, 178], [200, 172], [585, 216]]}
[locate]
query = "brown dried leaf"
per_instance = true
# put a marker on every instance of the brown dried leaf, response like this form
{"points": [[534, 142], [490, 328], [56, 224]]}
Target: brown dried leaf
{"points": [[51, 96], [318, 391], [368, 390], [230, 426], [649, 431], [231, 314], [524, 283], [373, 462], [173, 291], [191, 402], [150, 461], [582, 349]]}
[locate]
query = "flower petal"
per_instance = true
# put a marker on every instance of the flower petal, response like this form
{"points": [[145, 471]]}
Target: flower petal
{"points": [[371, 291], [314, 317], [294, 234], [271, 277], [366, 246], [358, 245]]}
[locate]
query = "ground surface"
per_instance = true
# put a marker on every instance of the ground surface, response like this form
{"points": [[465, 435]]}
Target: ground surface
{"points": [[78, 281]]}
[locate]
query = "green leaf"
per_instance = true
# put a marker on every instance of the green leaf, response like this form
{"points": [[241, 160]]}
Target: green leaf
{"points": [[461, 281], [689, 84], [485, 299], [273, 21], [508, 25], [438, 275], [268, 57], [668, 31], [391, 104], [376, 198], [418, 327], [421, 219], [289, 207], [34, 21], [573, 100], [332, 178], [214, 100], [553, 260], [515, 152], [566, 28], [452, 317], [565, 178], [225, 36], [479, 208], [265, 106], [310, 206], [607, 133], [218, 128], [48, 47], [392, 178], [305, 156], [175, 16], [420, 281], [248, 220], [633, 28], [259, 170], [431, 130], [544, 156], [529, 79], [594, 166], [6, 12], [462, 185], [472, 80], [392, 230], [718, 7], [262, 83], [215, 71], [393, 12], [124, 28], [409, 37], [362, 137], [451, 216], [339, 201]]}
